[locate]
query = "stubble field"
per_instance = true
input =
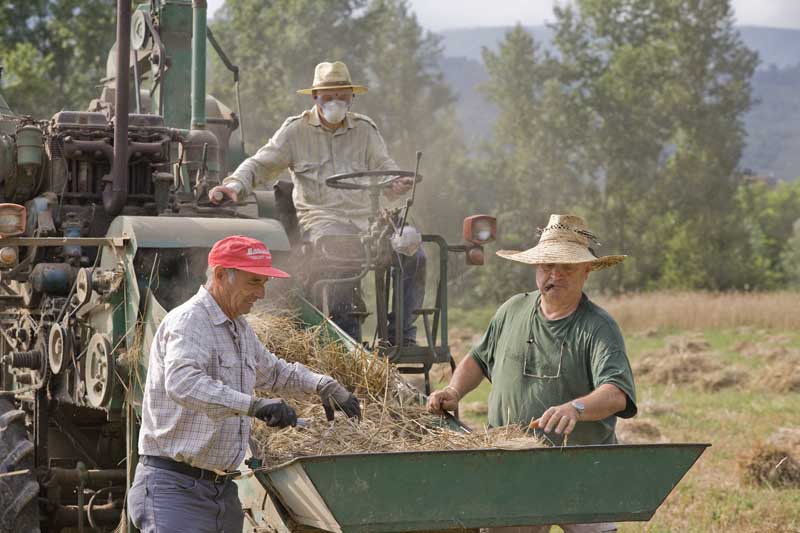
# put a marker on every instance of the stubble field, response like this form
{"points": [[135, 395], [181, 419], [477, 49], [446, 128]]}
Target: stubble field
{"points": [[720, 369]]}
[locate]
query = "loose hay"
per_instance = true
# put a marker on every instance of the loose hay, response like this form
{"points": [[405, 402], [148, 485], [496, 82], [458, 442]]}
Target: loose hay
{"points": [[357, 370], [781, 376], [383, 428], [771, 466], [636, 431], [788, 438], [687, 368], [393, 418]]}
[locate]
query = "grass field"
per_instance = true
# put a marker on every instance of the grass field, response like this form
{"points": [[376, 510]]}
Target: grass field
{"points": [[709, 368]]}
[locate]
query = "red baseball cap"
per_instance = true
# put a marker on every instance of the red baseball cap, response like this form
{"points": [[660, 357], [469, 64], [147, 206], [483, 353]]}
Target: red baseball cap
{"points": [[244, 253]]}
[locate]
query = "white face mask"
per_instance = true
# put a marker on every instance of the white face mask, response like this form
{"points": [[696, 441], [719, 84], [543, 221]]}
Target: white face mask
{"points": [[334, 111]]}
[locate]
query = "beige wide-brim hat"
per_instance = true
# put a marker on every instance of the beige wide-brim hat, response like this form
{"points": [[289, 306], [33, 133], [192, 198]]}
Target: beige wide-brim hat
{"points": [[332, 76], [565, 239]]}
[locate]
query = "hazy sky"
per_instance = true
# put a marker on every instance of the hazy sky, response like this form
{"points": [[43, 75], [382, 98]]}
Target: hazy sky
{"points": [[441, 14]]}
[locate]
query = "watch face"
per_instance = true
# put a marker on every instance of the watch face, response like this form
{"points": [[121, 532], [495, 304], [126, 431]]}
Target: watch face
{"points": [[579, 406]]}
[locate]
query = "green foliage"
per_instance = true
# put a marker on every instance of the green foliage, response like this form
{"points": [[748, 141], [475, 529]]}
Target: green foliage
{"points": [[768, 216], [54, 52], [790, 256], [635, 121]]}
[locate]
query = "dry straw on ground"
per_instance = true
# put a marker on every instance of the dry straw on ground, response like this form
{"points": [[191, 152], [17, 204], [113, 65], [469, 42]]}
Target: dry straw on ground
{"points": [[687, 361], [638, 431], [770, 466], [393, 418], [698, 310]]}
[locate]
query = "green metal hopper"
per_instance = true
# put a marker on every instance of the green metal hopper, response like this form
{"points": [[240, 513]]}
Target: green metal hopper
{"points": [[451, 490]]}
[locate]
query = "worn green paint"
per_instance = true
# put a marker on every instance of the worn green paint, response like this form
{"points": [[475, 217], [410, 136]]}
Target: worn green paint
{"points": [[173, 96], [199, 65], [418, 491]]}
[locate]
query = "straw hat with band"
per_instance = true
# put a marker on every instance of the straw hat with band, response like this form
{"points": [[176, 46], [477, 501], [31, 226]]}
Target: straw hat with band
{"points": [[332, 76], [565, 239]]}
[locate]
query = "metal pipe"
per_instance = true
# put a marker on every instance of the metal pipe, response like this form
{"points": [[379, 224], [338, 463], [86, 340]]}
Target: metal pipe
{"points": [[115, 192], [93, 479], [199, 8], [137, 94]]}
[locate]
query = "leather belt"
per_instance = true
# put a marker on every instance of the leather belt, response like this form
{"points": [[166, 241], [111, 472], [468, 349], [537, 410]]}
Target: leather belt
{"points": [[165, 463]]}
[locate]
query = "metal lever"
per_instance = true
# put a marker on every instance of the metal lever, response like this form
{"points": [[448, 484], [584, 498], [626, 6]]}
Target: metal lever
{"points": [[410, 201]]}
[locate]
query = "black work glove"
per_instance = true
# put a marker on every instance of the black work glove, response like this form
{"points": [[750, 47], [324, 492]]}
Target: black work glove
{"points": [[334, 396], [275, 412]]}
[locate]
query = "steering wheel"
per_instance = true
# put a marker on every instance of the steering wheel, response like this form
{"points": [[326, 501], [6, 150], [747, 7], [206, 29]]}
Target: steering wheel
{"points": [[340, 181]]}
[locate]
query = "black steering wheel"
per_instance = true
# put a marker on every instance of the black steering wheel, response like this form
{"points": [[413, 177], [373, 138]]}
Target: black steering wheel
{"points": [[340, 181]]}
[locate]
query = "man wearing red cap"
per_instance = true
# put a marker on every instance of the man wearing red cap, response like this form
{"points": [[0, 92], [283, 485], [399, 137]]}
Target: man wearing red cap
{"points": [[205, 365]]}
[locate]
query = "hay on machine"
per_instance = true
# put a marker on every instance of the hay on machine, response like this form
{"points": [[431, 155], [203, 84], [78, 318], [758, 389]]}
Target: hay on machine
{"points": [[393, 415]]}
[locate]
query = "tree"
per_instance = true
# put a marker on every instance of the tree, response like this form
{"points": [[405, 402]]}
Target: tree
{"points": [[529, 168], [54, 52], [642, 101], [667, 84]]}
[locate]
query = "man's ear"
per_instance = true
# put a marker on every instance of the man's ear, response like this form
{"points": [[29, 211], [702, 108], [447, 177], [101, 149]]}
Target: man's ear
{"points": [[219, 273]]}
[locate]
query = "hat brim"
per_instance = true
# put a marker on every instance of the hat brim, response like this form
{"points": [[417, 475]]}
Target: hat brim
{"points": [[357, 89], [264, 271], [555, 253]]}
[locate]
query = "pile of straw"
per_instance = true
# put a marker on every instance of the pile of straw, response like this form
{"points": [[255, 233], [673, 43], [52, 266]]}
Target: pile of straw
{"points": [[383, 428], [393, 418]]}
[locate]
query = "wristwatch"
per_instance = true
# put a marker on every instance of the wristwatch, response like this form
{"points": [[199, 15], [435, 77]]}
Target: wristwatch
{"points": [[578, 407]]}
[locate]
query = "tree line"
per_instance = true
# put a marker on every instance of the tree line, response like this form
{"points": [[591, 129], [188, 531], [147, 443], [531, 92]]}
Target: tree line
{"points": [[633, 119]]}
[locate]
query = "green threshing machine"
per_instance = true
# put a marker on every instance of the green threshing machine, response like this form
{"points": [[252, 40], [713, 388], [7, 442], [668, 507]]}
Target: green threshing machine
{"points": [[104, 227]]}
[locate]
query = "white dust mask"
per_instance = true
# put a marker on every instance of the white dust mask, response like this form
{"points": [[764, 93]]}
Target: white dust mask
{"points": [[334, 111]]}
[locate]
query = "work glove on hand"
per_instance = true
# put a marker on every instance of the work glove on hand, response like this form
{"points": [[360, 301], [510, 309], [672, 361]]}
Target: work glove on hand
{"points": [[275, 412], [334, 396]]}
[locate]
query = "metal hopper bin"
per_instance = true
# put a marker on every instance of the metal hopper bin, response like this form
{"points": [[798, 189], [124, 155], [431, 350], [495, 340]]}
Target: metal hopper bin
{"points": [[465, 489]]}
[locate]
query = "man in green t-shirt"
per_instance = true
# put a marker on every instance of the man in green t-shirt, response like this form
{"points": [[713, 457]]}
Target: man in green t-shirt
{"points": [[555, 360]]}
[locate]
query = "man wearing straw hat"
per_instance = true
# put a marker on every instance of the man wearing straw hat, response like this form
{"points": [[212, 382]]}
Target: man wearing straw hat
{"points": [[205, 364], [556, 360], [325, 140]]}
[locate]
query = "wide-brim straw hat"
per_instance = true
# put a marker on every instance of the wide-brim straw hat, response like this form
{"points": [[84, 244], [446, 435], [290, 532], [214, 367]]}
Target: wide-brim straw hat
{"points": [[332, 76], [565, 239]]}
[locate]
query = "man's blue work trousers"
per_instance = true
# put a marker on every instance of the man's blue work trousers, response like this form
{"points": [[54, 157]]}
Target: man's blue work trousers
{"points": [[162, 501]]}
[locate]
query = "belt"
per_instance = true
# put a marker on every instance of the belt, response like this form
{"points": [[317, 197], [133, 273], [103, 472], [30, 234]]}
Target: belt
{"points": [[165, 463]]}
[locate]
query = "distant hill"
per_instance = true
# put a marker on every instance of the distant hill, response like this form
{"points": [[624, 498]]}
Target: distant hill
{"points": [[773, 125], [776, 46]]}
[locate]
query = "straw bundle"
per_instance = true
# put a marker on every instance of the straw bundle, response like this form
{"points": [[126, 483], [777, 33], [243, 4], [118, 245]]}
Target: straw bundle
{"points": [[356, 370], [393, 416]]}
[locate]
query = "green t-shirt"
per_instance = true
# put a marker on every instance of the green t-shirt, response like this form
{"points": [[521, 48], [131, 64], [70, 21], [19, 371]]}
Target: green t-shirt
{"points": [[535, 363]]}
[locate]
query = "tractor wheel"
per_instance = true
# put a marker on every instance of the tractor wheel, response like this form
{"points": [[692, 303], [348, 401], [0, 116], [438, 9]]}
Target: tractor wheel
{"points": [[18, 493]]}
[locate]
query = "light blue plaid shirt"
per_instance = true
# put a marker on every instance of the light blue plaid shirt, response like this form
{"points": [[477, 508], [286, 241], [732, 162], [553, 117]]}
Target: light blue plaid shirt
{"points": [[202, 373]]}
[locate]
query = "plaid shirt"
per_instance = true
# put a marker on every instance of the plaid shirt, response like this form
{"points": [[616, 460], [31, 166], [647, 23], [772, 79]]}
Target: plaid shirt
{"points": [[202, 373]]}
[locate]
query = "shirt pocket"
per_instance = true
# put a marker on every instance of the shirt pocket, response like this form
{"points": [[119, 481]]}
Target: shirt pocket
{"points": [[230, 370], [309, 182], [538, 363]]}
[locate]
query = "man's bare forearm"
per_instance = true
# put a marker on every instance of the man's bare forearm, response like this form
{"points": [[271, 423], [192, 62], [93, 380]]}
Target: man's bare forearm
{"points": [[604, 401], [467, 376]]}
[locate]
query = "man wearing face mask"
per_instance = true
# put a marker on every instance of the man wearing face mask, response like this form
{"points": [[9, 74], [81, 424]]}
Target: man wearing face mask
{"points": [[325, 140]]}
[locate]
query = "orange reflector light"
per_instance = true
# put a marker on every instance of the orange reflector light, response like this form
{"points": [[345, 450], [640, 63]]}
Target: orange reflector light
{"points": [[480, 229]]}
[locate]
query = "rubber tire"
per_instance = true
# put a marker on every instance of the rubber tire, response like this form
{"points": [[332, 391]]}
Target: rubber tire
{"points": [[19, 509]]}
